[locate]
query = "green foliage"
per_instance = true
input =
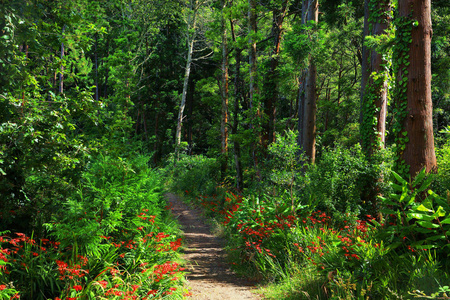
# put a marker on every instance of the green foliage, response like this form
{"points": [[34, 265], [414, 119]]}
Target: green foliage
{"points": [[195, 173], [284, 164], [40, 157], [403, 40], [111, 193], [258, 228], [338, 181], [113, 237], [420, 216], [441, 183]]}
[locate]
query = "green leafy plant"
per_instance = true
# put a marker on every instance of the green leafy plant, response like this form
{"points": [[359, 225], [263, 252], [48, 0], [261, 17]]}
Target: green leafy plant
{"points": [[419, 215], [338, 180]]}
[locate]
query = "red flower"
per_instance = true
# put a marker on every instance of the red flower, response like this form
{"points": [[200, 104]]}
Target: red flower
{"points": [[2, 287], [77, 288]]}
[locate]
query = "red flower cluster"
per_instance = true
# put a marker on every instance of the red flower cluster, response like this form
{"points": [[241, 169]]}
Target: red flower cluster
{"points": [[166, 269], [70, 272], [16, 252]]}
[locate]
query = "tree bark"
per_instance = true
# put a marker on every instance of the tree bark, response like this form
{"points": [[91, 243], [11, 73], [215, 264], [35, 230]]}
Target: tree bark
{"points": [[224, 119], [377, 65], [374, 82], [253, 87], [96, 66], [191, 25], [237, 98], [271, 85], [301, 89], [310, 106], [419, 152]]}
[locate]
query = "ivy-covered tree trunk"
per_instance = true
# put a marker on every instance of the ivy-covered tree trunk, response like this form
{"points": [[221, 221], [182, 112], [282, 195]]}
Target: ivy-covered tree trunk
{"points": [[375, 78], [415, 140]]}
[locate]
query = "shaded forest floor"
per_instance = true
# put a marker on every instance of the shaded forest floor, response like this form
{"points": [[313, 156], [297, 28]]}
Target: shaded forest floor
{"points": [[209, 276]]}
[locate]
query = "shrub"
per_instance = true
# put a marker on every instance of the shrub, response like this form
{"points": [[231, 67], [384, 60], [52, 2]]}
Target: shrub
{"points": [[343, 181], [112, 239], [441, 182], [195, 173]]}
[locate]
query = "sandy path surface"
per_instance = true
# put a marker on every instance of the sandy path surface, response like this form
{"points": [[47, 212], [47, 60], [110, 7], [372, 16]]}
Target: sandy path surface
{"points": [[209, 277]]}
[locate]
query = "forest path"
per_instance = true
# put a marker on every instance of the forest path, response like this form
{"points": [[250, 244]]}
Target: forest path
{"points": [[209, 276]]}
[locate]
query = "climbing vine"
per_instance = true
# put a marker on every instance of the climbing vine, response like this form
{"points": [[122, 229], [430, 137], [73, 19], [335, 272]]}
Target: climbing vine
{"points": [[403, 41], [378, 80]]}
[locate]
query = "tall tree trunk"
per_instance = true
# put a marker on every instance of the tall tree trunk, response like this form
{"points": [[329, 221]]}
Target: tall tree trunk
{"points": [[365, 59], [310, 106], [417, 123], [271, 84], [187, 73], [191, 25], [237, 99], [301, 109], [224, 119], [96, 66], [253, 89], [252, 56], [301, 89], [375, 79]]}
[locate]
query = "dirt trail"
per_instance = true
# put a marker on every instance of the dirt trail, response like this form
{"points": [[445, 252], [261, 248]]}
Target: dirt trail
{"points": [[210, 277]]}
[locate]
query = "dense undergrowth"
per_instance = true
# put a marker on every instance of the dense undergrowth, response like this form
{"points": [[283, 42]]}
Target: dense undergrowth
{"points": [[311, 234], [112, 239]]}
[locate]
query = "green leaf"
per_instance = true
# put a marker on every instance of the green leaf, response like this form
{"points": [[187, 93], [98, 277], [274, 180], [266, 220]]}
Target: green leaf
{"points": [[428, 203], [399, 178], [394, 245], [446, 221], [397, 187], [427, 224], [425, 184], [421, 207], [419, 177], [439, 213], [420, 216]]}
